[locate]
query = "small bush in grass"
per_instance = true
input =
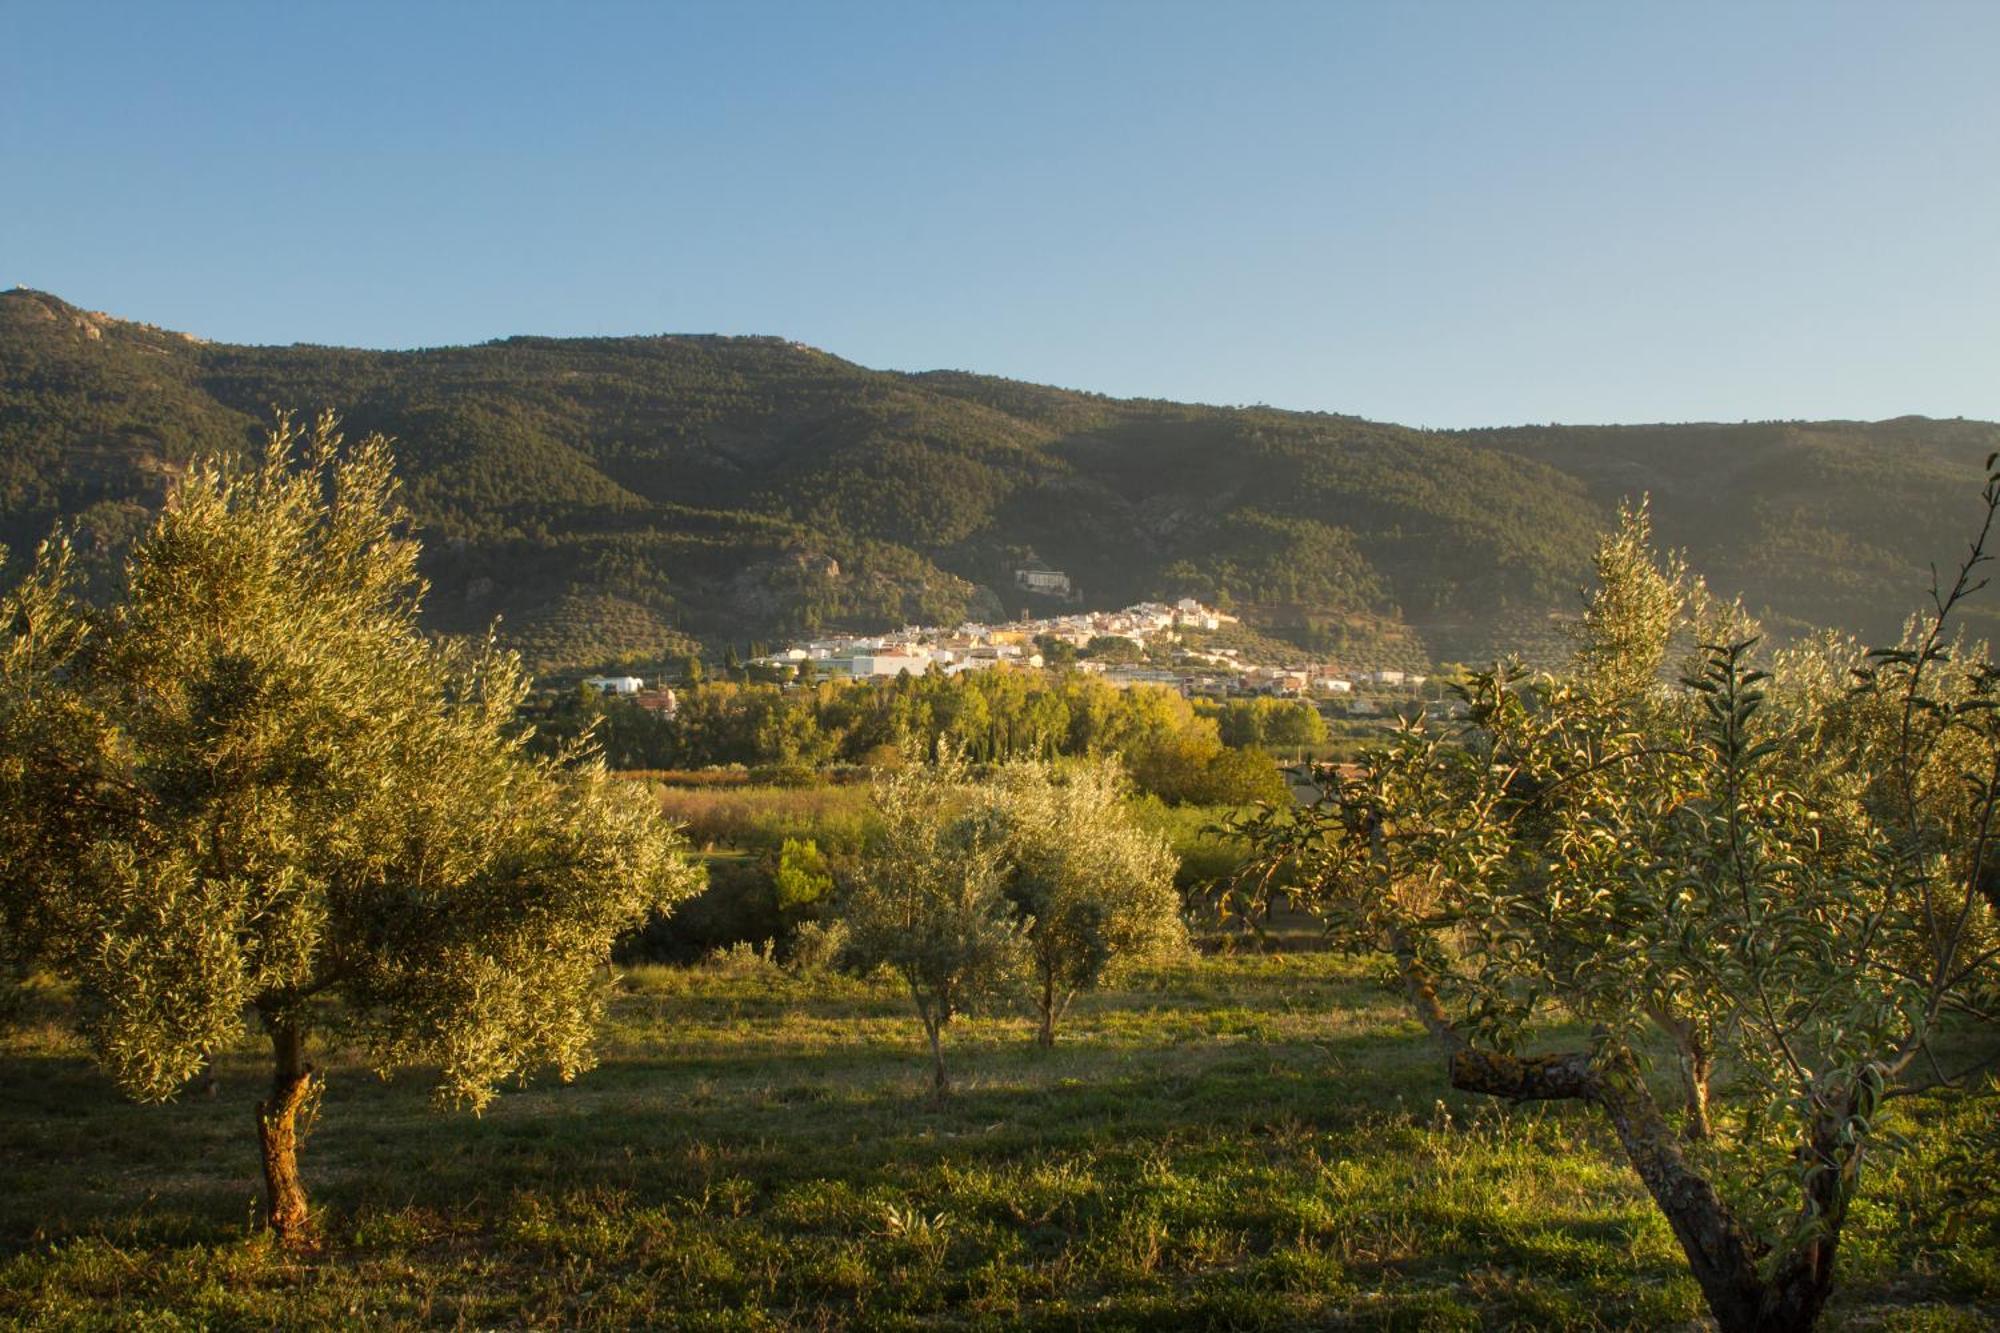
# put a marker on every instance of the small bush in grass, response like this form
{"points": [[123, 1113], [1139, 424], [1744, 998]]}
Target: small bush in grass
{"points": [[930, 903], [1090, 886], [815, 947], [803, 880], [743, 959]]}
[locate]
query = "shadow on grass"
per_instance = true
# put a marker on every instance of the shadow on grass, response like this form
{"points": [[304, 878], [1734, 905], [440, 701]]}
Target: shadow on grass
{"points": [[1248, 1146], [660, 1129]]}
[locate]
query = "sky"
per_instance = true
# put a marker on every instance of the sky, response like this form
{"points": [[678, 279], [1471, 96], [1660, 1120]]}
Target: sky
{"points": [[1441, 214]]}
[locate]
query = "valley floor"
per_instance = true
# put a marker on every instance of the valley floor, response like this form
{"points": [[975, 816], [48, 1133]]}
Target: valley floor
{"points": [[1240, 1142]]}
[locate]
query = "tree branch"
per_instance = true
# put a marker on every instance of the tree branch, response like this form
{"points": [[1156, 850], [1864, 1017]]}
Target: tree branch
{"points": [[1566, 1076]]}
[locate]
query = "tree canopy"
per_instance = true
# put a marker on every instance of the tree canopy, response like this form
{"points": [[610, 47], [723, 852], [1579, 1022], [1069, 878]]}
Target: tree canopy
{"points": [[930, 902], [1780, 871], [253, 786], [1091, 888]]}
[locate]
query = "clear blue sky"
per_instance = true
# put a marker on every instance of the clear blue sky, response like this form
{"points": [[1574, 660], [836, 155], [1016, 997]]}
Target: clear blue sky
{"points": [[1440, 214]]}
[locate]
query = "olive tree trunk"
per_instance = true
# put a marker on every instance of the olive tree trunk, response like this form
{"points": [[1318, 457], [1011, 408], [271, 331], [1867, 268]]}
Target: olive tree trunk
{"points": [[1723, 1256], [1051, 1003], [940, 1086], [1697, 1067], [1693, 1048], [293, 1087], [1045, 1005]]}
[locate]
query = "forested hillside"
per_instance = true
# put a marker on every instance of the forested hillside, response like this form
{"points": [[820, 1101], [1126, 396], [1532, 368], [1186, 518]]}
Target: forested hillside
{"points": [[611, 499]]}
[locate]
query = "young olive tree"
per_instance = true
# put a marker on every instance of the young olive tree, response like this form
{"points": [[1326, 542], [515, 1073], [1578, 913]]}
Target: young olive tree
{"points": [[252, 786], [1620, 707], [1621, 640], [1090, 887], [1795, 868], [930, 903]]}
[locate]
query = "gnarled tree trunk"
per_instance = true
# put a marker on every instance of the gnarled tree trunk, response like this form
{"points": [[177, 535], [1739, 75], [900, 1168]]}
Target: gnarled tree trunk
{"points": [[293, 1086], [1723, 1256], [1697, 1068], [1800, 1286]]}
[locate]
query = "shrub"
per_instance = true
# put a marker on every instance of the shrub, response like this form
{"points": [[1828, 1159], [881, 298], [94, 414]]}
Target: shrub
{"points": [[930, 903], [743, 958], [803, 879], [814, 947], [1091, 888]]}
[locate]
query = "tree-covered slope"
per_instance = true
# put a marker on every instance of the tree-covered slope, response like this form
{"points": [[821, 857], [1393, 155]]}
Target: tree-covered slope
{"points": [[1817, 522], [615, 498]]}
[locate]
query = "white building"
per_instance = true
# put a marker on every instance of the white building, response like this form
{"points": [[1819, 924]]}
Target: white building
{"points": [[1193, 615], [1052, 582], [622, 685], [889, 664]]}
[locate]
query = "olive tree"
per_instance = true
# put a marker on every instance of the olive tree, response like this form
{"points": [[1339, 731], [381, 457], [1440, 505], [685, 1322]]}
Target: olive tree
{"points": [[930, 902], [1640, 631], [1091, 889], [1622, 638], [1797, 865], [253, 787]]}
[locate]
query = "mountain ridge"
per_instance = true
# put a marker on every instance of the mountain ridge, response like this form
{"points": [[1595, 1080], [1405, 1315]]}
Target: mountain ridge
{"points": [[614, 498]]}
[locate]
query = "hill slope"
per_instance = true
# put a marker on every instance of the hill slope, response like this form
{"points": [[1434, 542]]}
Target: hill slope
{"points": [[610, 498]]}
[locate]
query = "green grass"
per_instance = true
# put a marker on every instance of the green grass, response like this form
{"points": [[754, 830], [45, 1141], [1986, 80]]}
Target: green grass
{"points": [[1238, 1142]]}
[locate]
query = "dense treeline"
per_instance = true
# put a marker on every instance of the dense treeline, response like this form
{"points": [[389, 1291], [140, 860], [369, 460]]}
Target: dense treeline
{"points": [[1818, 523], [1274, 724], [610, 500], [1171, 748]]}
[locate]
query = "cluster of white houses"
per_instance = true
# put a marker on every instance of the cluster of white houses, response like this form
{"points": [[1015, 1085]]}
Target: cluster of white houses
{"points": [[1148, 625], [1212, 672]]}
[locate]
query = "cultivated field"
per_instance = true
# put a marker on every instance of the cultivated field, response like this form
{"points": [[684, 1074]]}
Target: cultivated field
{"points": [[1242, 1142]]}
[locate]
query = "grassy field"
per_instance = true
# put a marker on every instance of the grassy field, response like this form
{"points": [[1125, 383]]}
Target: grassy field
{"points": [[839, 819], [1238, 1142]]}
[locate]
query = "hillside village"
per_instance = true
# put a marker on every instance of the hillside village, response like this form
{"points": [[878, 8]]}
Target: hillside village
{"points": [[1156, 631]]}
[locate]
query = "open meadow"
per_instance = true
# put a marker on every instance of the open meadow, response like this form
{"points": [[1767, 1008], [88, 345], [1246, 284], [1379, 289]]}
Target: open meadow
{"points": [[1240, 1141]]}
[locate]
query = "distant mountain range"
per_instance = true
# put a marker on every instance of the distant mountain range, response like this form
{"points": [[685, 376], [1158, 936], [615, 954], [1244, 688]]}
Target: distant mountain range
{"points": [[614, 499]]}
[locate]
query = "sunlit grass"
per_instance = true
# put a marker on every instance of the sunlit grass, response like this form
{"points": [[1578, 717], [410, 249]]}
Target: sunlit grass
{"points": [[1238, 1142]]}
